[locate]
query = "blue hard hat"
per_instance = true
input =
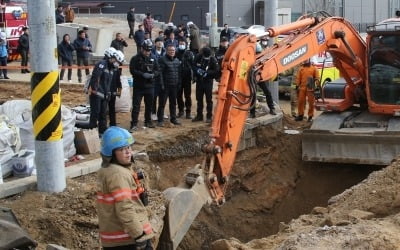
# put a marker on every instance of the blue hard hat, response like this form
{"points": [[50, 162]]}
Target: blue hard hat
{"points": [[113, 138]]}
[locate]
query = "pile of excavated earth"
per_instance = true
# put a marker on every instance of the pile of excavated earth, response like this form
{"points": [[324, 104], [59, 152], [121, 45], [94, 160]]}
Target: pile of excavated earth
{"points": [[274, 199]]}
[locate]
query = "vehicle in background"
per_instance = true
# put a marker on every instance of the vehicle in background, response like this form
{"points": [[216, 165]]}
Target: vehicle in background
{"points": [[13, 18], [327, 71]]}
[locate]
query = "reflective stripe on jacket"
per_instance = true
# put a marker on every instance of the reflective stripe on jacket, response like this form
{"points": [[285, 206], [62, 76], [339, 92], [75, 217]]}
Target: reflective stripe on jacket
{"points": [[122, 215]]}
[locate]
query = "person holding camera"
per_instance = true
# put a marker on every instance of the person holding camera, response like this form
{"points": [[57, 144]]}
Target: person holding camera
{"points": [[121, 197], [205, 69]]}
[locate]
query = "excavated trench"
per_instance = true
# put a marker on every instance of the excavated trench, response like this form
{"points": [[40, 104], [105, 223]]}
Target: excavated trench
{"points": [[269, 184]]}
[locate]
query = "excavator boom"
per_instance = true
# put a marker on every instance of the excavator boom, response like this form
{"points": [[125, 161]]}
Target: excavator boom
{"points": [[345, 106]]}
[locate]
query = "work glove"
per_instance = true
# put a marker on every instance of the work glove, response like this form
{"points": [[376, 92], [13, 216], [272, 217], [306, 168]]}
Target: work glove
{"points": [[143, 242], [148, 75]]}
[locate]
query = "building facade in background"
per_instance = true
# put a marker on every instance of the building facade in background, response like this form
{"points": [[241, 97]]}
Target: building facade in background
{"points": [[248, 12]]}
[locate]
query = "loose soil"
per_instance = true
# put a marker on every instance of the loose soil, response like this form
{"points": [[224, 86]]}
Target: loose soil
{"points": [[274, 200]]}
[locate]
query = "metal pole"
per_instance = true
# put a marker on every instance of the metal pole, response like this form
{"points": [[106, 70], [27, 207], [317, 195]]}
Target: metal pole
{"points": [[270, 14], [46, 100], [213, 30]]}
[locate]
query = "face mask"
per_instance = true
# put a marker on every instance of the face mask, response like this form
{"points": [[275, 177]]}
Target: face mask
{"points": [[116, 64], [265, 43], [182, 47], [225, 45], [206, 58]]}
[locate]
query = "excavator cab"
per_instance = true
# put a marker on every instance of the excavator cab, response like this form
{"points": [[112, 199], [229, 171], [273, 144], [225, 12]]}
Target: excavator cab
{"points": [[367, 130]]}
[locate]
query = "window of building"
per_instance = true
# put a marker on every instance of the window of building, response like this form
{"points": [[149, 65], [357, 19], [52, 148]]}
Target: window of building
{"points": [[185, 18], [157, 17]]}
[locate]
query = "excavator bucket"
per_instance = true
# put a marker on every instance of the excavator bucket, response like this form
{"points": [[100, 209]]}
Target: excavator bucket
{"points": [[185, 202], [366, 139], [12, 236]]}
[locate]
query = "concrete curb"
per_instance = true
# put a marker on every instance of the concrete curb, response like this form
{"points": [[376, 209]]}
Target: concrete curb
{"points": [[20, 185]]}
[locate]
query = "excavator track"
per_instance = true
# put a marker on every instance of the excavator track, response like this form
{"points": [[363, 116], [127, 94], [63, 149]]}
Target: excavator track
{"points": [[368, 139]]}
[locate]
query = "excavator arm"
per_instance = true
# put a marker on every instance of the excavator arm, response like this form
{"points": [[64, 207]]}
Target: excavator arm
{"points": [[242, 68]]}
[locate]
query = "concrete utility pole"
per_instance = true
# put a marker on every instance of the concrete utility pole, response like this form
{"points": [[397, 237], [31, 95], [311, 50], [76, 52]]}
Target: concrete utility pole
{"points": [[270, 15], [270, 20], [213, 30], [46, 100]]}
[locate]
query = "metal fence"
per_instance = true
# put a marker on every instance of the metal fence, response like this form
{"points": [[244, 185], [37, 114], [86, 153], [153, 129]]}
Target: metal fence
{"points": [[362, 27]]}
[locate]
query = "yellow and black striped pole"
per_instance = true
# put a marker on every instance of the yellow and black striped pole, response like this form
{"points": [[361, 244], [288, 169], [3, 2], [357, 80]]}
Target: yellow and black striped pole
{"points": [[46, 99]]}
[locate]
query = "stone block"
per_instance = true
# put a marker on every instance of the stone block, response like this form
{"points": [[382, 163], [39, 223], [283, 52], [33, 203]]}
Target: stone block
{"points": [[55, 247], [361, 215]]}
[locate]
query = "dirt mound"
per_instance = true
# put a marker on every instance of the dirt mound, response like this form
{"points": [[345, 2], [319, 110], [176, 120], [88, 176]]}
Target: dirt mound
{"points": [[365, 216]]}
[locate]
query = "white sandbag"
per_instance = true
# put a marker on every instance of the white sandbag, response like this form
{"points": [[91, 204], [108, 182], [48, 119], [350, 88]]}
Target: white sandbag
{"points": [[20, 114], [68, 117], [10, 141], [123, 103]]}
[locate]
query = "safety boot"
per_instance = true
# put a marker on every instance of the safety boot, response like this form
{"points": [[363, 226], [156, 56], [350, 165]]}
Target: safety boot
{"points": [[197, 119], [299, 118]]}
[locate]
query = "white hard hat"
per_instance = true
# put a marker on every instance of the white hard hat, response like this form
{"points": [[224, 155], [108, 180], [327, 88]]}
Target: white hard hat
{"points": [[2, 35], [109, 52], [119, 56], [170, 24], [189, 23]]}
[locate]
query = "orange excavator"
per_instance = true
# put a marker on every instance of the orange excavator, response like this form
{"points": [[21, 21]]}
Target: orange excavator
{"points": [[359, 123]]}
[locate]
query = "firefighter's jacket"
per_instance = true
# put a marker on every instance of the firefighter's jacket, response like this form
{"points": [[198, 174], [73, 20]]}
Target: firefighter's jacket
{"points": [[122, 215]]}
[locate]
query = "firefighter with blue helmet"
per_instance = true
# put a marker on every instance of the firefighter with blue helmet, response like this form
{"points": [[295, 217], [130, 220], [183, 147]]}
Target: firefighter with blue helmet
{"points": [[121, 200]]}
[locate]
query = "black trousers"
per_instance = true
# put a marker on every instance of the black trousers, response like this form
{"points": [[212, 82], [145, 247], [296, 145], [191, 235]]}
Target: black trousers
{"points": [[204, 88], [270, 103], [98, 113], [137, 96], [158, 92], [111, 111], [131, 29], [66, 63], [85, 62], [186, 91], [169, 94], [3, 62], [24, 59]]}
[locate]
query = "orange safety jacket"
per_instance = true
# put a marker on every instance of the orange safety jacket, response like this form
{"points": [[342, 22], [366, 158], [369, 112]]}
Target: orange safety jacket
{"points": [[122, 215], [303, 74]]}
